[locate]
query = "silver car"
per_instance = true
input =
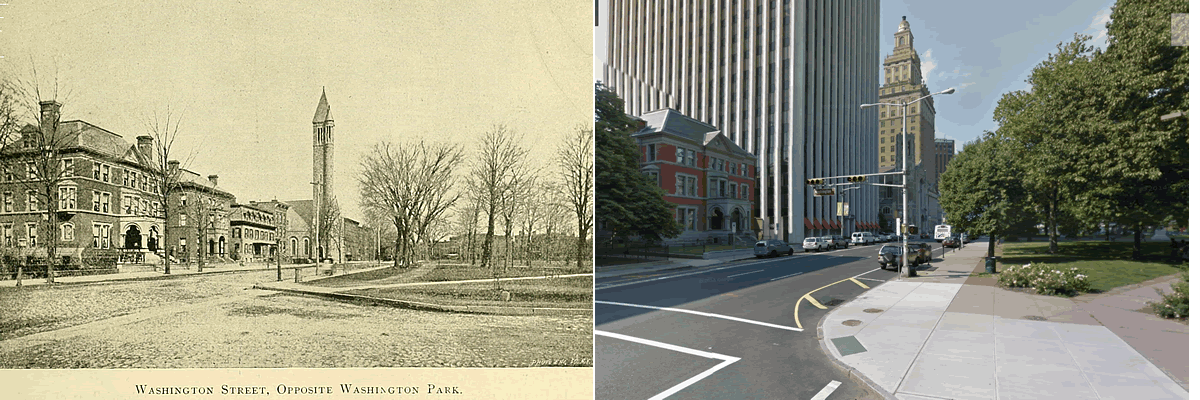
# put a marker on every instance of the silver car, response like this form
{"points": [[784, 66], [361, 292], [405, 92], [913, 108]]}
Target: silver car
{"points": [[772, 247], [817, 243]]}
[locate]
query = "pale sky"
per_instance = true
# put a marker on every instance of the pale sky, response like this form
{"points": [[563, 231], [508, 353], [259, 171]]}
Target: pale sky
{"points": [[981, 48], [248, 76]]}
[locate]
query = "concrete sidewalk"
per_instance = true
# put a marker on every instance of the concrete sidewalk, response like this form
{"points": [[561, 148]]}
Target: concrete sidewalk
{"points": [[946, 335]]}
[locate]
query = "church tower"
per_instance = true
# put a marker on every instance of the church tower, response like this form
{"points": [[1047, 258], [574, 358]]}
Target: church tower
{"points": [[322, 170]]}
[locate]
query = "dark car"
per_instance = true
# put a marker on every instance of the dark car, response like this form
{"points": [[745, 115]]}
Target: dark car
{"points": [[950, 242], [889, 257], [839, 241], [924, 251]]}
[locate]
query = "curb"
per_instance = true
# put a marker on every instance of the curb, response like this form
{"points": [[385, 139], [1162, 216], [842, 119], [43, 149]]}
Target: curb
{"points": [[420, 306], [157, 278], [850, 371]]}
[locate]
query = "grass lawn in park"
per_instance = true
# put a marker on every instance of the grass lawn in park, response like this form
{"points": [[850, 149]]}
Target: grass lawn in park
{"points": [[1106, 264]]}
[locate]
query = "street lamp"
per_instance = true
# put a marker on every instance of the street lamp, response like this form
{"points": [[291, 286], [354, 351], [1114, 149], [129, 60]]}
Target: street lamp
{"points": [[905, 269]]}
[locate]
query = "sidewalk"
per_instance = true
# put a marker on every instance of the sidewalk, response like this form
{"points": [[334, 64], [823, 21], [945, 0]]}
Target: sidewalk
{"points": [[177, 271], [947, 335], [710, 258]]}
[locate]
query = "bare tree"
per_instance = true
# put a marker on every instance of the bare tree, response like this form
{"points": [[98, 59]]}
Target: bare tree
{"points": [[412, 185], [10, 122], [576, 165], [38, 155], [330, 220], [520, 193], [468, 224], [163, 130], [495, 175]]}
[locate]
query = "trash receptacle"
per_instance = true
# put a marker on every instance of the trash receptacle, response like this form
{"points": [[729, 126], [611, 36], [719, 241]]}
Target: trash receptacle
{"points": [[989, 265]]}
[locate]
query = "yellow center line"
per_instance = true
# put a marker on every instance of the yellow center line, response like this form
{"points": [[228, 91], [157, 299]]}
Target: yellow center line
{"points": [[808, 296]]}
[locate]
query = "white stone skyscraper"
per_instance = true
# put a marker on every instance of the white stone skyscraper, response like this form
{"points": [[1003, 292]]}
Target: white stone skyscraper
{"points": [[786, 89]]}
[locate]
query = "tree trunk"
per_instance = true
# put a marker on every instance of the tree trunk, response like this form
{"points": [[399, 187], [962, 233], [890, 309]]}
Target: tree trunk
{"points": [[396, 251], [1052, 227], [485, 258], [1137, 241]]}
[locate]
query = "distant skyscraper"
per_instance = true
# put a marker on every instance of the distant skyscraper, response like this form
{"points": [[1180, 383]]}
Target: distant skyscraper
{"points": [[904, 83], [943, 150], [786, 89]]}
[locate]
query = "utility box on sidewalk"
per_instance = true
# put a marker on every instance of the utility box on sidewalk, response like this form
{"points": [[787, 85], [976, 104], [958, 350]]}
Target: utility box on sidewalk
{"points": [[989, 265]]}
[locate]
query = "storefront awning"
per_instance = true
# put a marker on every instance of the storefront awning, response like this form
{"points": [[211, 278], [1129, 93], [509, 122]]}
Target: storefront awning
{"points": [[808, 223]]}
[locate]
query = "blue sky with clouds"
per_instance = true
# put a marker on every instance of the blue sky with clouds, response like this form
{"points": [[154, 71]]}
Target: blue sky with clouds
{"points": [[981, 48]]}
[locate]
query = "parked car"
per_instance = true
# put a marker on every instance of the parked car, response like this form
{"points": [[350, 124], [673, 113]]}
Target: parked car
{"points": [[817, 243], [772, 248], [889, 257], [923, 250], [950, 242], [860, 238], [839, 241]]}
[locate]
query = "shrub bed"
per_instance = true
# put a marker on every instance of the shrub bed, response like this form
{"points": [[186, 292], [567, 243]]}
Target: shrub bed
{"points": [[1046, 280], [1174, 304]]}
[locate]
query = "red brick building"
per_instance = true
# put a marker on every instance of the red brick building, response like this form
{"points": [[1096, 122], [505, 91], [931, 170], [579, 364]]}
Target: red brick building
{"points": [[708, 178]]}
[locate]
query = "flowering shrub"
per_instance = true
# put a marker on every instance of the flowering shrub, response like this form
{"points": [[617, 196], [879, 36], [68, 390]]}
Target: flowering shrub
{"points": [[1175, 304], [1045, 280]]}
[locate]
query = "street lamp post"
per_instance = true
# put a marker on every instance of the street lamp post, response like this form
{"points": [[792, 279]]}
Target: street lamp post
{"points": [[905, 269]]}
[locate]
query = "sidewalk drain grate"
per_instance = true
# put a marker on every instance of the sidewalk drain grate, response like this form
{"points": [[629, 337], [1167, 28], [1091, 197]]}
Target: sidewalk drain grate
{"points": [[1034, 318], [834, 302], [851, 322], [873, 310]]}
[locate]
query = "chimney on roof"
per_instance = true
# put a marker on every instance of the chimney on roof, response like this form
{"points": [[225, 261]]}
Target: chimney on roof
{"points": [[145, 146], [173, 168], [213, 179], [50, 113]]}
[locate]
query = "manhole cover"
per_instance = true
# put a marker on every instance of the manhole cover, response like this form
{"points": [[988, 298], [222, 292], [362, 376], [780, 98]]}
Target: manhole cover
{"points": [[851, 322], [872, 310], [1034, 318]]}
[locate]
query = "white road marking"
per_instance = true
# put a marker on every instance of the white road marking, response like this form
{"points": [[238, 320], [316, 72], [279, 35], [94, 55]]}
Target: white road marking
{"points": [[680, 310], [827, 390], [870, 279], [726, 360], [787, 276], [746, 273]]}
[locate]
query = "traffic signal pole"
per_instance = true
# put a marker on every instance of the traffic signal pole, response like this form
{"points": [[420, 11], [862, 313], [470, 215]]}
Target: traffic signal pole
{"points": [[905, 269]]}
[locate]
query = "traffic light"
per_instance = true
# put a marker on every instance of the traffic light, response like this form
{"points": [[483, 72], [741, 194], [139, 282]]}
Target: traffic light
{"points": [[858, 178], [912, 230], [815, 182]]}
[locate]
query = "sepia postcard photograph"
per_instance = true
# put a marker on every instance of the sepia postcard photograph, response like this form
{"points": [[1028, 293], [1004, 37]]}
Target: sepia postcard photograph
{"points": [[339, 199], [864, 199]]}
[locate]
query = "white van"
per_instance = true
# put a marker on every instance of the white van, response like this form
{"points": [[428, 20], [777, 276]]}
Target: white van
{"points": [[860, 238]]}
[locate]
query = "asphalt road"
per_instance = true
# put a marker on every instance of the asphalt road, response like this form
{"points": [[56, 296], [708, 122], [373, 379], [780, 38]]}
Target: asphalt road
{"points": [[740, 330]]}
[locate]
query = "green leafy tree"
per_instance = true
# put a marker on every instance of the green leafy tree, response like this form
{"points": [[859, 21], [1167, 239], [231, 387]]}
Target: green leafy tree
{"points": [[628, 202], [982, 190], [1140, 168], [1054, 125]]}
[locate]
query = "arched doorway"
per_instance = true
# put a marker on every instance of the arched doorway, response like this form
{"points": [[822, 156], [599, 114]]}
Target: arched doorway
{"points": [[293, 246], [736, 218], [152, 241], [212, 247], [221, 246], [133, 237], [717, 221]]}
